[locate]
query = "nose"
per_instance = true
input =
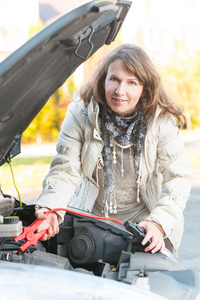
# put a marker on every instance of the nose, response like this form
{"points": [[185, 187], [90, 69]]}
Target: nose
{"points": [[120, 90]]}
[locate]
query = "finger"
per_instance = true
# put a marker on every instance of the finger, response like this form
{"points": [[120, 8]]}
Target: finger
{"points": [[156, 248], [44, 238], [55, 229], [47, 235], [150, 247], [159, 246], [41, 216], [153, 244], [50, 232], [147, 237], [162, 247]]}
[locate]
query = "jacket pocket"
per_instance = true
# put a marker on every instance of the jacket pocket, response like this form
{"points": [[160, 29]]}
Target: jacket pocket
{"points": [[84, 195], [151, 191], [175, 148]]}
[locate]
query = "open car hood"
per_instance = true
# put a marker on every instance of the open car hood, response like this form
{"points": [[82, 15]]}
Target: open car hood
{"points": [[30, 75]]}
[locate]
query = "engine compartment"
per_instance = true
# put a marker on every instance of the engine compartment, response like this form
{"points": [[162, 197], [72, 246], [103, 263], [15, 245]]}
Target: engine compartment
{"points": [[101, 248]]}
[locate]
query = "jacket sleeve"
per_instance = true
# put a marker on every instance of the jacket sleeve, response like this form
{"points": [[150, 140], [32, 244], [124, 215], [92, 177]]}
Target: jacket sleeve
{"points": [[175, 171], [65, 170]]}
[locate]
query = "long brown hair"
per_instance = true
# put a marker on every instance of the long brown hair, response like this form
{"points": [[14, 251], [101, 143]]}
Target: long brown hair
{"points": [[137, 62]]}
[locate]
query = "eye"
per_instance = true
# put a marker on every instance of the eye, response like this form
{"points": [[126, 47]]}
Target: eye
{"points": [[132, 83], [114, 79]]}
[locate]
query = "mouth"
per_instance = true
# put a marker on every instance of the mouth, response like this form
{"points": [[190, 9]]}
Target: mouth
{"points": [[117, 100]]}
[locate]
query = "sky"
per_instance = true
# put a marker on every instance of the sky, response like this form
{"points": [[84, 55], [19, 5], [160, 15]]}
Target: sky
{"points": [[163, 22], [15, 19], [160, 21]]}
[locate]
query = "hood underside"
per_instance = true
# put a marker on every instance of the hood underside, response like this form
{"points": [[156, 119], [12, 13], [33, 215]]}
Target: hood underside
{"points": [[30, 75]]}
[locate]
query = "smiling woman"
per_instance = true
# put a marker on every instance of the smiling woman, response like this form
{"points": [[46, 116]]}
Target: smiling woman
{"points": [[122, 89], [120, 153]]}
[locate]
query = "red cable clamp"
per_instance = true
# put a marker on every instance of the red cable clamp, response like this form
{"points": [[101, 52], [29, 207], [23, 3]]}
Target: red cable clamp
{"points": [[29, 235]]}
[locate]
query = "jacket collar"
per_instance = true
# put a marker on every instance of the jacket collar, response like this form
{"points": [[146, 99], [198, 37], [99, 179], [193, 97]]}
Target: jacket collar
{"points": [[151, 119], [92, 110], [93, 113]]}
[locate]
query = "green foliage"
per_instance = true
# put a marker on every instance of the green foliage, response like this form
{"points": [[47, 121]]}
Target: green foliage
{"points": [[46, 125]]}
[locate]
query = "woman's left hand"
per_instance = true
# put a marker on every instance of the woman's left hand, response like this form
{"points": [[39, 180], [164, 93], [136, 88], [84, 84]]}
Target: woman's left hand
{"points": [[153, 233]]}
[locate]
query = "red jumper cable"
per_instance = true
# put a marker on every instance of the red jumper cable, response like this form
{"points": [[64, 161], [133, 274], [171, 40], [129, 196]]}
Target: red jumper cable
{"points": [[32, 238]]}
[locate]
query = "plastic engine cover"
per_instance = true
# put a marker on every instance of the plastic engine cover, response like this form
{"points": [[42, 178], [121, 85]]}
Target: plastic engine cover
{"points": [[86, 241]]}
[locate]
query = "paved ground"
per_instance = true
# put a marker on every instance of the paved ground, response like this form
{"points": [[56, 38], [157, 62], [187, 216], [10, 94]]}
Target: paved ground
{"points": [[34, 150], [189, 253]]}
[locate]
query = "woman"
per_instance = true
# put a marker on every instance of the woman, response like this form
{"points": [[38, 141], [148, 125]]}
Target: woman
{"points": [[120, 153]]}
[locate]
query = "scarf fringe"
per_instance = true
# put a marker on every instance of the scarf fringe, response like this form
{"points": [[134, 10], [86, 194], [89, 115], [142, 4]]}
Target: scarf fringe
{"points": [[110, 202]]}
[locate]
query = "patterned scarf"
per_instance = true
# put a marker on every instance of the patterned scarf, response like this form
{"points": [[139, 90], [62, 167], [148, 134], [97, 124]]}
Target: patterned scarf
{"points": [[125, 131]]}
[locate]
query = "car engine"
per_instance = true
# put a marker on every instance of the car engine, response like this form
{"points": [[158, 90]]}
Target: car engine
{"points": [[99, 247]]}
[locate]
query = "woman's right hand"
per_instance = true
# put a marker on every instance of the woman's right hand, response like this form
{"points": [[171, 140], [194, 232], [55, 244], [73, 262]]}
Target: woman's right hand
{"points": [[50, 222]]}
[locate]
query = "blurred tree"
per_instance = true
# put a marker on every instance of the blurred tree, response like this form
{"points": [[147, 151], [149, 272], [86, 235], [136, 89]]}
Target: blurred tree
{"points": [[182, 78], [46, 125]]}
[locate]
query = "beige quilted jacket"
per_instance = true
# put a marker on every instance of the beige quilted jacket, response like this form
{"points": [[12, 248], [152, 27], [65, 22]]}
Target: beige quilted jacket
{"points": [[164, 170]]}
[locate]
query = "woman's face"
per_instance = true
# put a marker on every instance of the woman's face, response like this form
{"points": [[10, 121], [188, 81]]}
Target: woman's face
{"points": [[122, 90]]}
